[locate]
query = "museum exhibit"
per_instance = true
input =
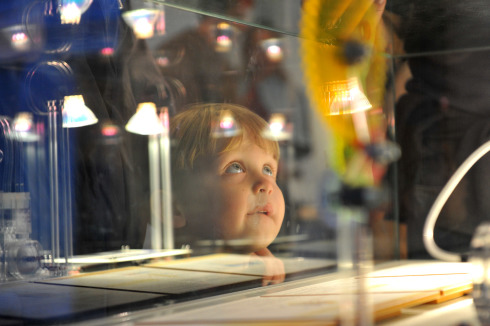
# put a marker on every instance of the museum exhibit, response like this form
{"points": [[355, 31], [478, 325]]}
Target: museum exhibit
{"points": [[244, 162]]}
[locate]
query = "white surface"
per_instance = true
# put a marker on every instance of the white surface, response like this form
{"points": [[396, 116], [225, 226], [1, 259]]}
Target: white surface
{"points": [[418, 282]]}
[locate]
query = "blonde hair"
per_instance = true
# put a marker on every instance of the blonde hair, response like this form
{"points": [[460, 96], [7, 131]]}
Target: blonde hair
{"points": [[191, 132]]}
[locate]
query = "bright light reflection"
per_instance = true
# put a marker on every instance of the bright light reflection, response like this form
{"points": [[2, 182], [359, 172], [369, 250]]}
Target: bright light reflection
{"points": [[70, 14], [226, 123], [345, 97], [20, 41], [273, 49], [142, 21], [107, 51], [277, 128], [109, 130], [72, 10], [277, 123], [145, 121], [274, 52], [143, 28], [165, 119], [76, 113], [224, 42], [23, 122], [226, 126], [24, 127]]}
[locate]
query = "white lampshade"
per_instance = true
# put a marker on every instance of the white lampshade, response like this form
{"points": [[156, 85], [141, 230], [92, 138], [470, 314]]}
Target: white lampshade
{"points": [[142, 21], [76, 113], [145, 121], [72, 10]]}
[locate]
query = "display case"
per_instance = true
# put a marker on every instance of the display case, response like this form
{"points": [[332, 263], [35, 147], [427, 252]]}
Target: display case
{"points": [[109, 212]]}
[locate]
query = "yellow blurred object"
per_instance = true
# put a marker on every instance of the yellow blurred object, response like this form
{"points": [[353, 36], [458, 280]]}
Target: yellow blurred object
{"points": [[342, 52]]}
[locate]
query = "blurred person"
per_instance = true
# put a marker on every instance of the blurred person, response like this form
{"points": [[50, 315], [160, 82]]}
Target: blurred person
{"points": [[267, 89], [443, 117], [198, 61]]}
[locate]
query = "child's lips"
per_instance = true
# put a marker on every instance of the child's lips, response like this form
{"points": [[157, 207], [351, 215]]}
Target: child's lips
{"points": [[265, 210]]}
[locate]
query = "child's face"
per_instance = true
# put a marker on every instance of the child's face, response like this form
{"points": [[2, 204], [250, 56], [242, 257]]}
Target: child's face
{"points": [[241, 197], [252, 205]]}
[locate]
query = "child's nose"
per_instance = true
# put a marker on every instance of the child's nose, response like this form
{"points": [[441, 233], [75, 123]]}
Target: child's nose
{"points": [[263, 185]]}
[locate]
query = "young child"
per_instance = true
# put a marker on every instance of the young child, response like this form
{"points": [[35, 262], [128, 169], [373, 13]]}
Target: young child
{"points": [[224, 178]]}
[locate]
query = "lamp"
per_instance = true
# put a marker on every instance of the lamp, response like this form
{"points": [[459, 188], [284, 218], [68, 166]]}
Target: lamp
{"points": [[72, 10], [51, 88], [76, 113], [145, 121], [142, 21]]}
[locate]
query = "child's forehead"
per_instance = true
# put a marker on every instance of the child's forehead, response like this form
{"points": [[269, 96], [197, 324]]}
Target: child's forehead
{"points": [[245, 139]]}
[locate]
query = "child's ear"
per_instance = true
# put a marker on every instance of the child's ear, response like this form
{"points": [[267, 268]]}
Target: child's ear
{"points": [[178, 217]]}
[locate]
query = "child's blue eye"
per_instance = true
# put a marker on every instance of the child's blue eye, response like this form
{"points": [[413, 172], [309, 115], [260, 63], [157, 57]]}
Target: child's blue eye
{"points": [[234, 168], [267, 170]]}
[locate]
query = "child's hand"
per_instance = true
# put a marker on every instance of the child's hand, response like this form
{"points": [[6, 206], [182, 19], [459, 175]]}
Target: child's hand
{"points": [[274, 267]]}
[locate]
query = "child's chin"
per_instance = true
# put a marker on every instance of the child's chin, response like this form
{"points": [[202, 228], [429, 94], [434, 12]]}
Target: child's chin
{"points": [[246, 245]]}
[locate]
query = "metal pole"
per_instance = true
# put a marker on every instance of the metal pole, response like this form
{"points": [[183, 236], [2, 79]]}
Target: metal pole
{"points": [[54, 179], [168, 228], [155, 199]]}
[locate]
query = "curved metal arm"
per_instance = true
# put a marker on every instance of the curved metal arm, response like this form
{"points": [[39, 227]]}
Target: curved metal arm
{"points": [[441, 199]]}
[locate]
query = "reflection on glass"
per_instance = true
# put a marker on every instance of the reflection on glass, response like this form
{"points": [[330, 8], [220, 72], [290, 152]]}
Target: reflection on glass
{"points": [[278, 129], [345, 97], [224, 37], [20, 41], [24, 127], [107, 51], [76, 113], [142, 21], [145, 121], [72, 10], [226, 126], [273, 49]]}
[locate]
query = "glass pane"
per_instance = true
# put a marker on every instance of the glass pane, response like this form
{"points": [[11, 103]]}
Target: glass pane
{"points": [[158, 156], [281, 16]]}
